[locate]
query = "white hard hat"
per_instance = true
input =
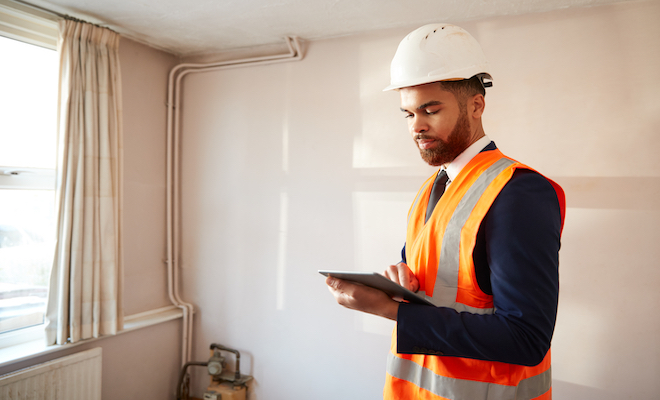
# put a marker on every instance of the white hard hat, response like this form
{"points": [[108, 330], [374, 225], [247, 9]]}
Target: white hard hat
{"points": [[437, 52]]}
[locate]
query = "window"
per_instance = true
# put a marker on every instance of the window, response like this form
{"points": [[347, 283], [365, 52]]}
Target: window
{"points": [[28, 124]]}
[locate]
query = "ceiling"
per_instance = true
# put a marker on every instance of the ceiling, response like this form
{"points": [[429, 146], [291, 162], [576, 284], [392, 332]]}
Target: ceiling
{"points": [[196, 27]]}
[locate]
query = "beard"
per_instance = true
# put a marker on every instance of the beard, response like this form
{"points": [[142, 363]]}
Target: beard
{"points": [[446, 151]]}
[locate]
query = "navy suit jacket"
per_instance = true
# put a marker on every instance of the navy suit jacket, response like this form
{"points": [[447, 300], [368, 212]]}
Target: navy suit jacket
{"points": [[516, 260]]}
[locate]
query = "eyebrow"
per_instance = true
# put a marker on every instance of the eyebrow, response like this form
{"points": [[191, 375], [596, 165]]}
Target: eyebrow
{"points": [[425, 105]]}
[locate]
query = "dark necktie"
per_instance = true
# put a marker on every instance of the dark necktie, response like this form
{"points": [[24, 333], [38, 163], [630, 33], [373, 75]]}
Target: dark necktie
{"points": [[436, 192]]}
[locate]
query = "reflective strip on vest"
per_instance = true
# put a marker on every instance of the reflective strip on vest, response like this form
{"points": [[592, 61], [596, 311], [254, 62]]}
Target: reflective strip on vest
{"points": [[445, 289], [460, 389], [419, 196]]}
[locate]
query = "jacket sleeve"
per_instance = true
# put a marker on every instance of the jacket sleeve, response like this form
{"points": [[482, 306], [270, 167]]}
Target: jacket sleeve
{"points": [[521, 235]]}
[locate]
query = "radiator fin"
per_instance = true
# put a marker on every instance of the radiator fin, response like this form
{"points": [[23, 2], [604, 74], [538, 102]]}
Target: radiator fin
{"points": [[74, 377]]}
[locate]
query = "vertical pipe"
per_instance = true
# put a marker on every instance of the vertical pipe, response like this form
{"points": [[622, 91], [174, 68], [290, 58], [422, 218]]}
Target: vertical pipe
{"points": [[169, 215], [173, 190]]}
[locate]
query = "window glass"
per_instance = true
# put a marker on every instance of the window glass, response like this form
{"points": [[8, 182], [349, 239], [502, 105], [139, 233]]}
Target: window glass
{"points": [[28, 104], [28, 107]]}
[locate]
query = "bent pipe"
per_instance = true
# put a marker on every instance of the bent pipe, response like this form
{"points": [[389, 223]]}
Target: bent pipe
{"points": [[237, 376]]}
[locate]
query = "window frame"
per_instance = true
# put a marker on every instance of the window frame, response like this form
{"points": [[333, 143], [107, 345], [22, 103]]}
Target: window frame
{"points": [[35, 27], [27, 178]]}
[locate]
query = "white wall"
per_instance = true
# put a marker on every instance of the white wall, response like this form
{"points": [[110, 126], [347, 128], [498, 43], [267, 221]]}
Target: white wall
{"points": [[296, 167]]}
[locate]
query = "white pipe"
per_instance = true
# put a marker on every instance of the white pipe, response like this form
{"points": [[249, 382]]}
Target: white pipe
{"points": [[187, 307], [173, 116], [170, 239]]}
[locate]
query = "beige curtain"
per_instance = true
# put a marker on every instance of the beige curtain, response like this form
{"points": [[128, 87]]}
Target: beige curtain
{"points": [[84, 299]]}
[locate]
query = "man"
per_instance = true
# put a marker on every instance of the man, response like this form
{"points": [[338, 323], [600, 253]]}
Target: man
{"points": [[486, 254]]}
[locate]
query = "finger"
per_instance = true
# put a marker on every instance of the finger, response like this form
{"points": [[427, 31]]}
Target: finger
{"points": [[392, 273], [330, 281], [404, 275], [414, 283], [334, 284], [404, 279]]}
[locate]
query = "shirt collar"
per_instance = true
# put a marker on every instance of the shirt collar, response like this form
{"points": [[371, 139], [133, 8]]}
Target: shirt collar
{"points": [[455, 167]]}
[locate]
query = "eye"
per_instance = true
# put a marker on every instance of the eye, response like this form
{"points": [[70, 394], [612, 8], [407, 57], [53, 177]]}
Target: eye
{"points": [[408, 115], [431, 111]]}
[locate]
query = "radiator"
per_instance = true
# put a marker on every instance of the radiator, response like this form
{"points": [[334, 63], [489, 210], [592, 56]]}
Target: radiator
{"points": [[74, 377]]}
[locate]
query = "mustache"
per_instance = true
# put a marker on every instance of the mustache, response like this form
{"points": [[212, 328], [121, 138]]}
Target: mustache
{"points": [[423, 137]]}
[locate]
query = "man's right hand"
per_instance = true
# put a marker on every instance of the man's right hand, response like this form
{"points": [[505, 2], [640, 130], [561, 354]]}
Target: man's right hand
{"points": [[402, 275]]}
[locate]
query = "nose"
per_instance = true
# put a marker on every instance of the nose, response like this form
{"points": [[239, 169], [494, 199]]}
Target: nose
{"points": [[418, 125]]}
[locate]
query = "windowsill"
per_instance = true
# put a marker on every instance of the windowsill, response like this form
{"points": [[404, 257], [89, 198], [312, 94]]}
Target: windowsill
{"points": [[37, 347]]}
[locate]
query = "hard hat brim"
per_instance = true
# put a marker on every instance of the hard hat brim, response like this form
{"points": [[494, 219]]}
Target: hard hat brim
{"points": [[431, 79]]}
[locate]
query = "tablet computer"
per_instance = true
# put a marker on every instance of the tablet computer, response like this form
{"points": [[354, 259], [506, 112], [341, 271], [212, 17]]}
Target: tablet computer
{"points": [[378, 281]]}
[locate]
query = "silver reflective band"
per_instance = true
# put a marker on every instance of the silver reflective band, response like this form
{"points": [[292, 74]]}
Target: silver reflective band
{"points": [[460, 389], [459, 307], [419, 195], [446, 281]]}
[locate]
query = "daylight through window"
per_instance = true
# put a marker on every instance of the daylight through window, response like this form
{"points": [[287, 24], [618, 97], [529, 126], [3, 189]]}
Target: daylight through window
{"points": [[28, 123]]}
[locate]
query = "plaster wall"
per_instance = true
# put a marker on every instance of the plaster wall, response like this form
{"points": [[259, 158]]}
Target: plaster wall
{"points": [[144, 82], [296, 167]]}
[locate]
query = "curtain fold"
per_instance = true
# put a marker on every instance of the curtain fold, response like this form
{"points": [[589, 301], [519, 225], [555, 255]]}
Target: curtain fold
{"points": [[84, 299]]}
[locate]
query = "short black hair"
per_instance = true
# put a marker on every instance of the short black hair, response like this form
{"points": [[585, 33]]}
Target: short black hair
{"points": [[464, 88]]}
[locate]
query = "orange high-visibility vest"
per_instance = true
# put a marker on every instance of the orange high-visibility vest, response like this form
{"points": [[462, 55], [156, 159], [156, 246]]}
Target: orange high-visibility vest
{"points": [[439, 252]]}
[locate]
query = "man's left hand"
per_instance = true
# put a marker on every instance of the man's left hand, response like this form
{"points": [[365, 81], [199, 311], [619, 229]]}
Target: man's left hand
{"points": [[362, 298]]}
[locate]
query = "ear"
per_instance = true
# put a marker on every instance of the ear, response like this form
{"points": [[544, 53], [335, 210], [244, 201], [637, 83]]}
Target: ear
{"points": [[476, 106]]}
